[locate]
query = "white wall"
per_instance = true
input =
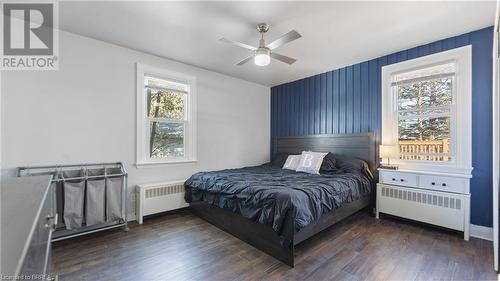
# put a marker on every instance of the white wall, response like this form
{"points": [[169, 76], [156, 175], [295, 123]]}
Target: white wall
{"points": [[85, 112]]}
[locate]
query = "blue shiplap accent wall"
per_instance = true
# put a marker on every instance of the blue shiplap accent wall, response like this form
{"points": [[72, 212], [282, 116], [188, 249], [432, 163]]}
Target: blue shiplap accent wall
{"points": [[348, 100]]}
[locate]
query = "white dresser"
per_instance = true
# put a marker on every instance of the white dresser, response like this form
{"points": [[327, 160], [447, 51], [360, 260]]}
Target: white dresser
{"points": [[27, 221], [441, 199]]}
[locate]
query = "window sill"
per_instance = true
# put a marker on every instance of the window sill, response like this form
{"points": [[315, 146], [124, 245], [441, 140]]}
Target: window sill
{"points": [[164, 163]]}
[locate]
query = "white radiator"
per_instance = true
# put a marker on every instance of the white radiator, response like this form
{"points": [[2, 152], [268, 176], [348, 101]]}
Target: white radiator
{"points": [[159, 197], [439, 208]]}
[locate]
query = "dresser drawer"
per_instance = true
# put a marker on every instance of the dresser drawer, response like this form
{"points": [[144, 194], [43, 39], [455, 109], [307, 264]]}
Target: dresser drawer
{"points": [[441, 183], [403, 179]]}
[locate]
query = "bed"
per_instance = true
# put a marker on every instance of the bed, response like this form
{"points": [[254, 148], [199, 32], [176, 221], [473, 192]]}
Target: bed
{"points": [[275, 209]]}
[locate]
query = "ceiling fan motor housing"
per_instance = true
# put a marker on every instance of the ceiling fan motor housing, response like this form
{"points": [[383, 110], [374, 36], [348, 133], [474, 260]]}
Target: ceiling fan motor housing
{"points": [[263, 27]]}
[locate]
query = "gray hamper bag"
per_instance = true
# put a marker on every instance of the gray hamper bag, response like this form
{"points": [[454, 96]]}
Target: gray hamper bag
{"points": [[114, 195], [73, 199], [95, 202]]}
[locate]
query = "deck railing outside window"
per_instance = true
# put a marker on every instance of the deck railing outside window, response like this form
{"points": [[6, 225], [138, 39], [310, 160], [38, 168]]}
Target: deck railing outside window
{"points": [[412, 150]]}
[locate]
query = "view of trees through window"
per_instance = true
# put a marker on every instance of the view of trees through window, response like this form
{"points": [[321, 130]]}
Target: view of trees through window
{"points": [[424, 116], [166, 115]]}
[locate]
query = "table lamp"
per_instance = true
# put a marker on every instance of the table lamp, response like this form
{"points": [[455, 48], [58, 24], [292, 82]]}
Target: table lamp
{"points": [[388, 151]]}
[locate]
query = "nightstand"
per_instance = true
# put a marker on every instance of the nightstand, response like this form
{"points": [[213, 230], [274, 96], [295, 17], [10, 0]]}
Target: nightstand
{"points": [[441, 199]]}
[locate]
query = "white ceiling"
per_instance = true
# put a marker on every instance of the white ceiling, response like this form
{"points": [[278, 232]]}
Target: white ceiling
{"points": [[334, 34]]}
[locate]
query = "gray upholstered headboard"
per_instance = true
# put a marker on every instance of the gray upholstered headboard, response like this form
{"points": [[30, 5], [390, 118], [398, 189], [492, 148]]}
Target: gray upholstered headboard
{"points": [[360, 146]]}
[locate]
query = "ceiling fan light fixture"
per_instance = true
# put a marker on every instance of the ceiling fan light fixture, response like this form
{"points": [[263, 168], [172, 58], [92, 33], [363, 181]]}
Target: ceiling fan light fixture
{"points": [[262, 57]]}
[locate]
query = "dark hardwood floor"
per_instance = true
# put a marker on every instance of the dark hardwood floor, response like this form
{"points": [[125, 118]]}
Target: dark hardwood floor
{"points": [[181, 246]]}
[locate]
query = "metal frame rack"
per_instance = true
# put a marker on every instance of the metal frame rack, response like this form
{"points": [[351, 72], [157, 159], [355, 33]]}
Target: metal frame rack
{"points": [[116, 170]]}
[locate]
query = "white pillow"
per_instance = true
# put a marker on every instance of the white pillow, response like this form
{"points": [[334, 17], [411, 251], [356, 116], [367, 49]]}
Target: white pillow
{"points": [[292, 162], [310, 162]]}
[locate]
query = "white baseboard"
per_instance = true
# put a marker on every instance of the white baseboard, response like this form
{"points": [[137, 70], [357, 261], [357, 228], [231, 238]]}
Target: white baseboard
{"points": [[131, 217], [481, 232], [477, 231]]}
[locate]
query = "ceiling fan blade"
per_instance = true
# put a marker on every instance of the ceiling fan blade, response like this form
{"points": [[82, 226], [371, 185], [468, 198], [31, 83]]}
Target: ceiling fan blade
{"points": [[283, 58], [245, 60], [289, 37], [239, 44]]}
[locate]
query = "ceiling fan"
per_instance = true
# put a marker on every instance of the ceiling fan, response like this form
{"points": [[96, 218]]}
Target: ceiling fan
{"points": [[262, 55]]}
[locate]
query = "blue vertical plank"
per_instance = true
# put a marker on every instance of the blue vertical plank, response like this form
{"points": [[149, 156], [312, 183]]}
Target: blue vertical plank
{"points": [[273, 120], [349, 100], [357, 98], [412, 53], [322, 129], [298, 107], [372, 80], [304, 107], [401, 56], [295, 105], [283, 111], [293, 93], [423, 50], [303, 113], [329, 103], [436, 47], [392, 58], [278, 108], [310, 107], [482, 161], [335, 102], [342, 101], [365, 98], [310, 102], [378, 125], [284, 103], [289, 109], [449, 43], [462, 40], [286, 98], [317, 100]]}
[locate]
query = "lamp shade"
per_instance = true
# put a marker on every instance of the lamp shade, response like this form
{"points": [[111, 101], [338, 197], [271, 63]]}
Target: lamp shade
{"points": [[388, 151]]}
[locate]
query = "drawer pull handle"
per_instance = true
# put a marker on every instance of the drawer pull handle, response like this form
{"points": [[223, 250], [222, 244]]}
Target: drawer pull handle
{"points": [[444, 184], [433, 183], [402, 180], [51, 222], [393, 179]]}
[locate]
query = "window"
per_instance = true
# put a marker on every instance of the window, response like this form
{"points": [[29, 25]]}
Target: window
{"points": [[166, 123], [427, 110], [424, 108]]}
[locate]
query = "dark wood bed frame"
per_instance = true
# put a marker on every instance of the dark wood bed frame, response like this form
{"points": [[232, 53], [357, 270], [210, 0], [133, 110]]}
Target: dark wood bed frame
{"points": [[263, 237]]}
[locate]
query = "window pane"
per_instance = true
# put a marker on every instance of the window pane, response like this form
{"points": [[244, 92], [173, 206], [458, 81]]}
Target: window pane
{"points": [[425, 136], [428, 93], [166, 140], [432, 111], [154, 82], [428, 71], [164, 104]]}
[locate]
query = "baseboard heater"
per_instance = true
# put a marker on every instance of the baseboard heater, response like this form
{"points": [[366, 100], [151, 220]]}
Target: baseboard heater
{"points": [[159, 197], [438, 208]]}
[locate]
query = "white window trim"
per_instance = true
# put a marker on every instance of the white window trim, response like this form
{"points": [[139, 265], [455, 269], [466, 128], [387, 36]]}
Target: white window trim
{"points": [[142, 131], [462, 116]]}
